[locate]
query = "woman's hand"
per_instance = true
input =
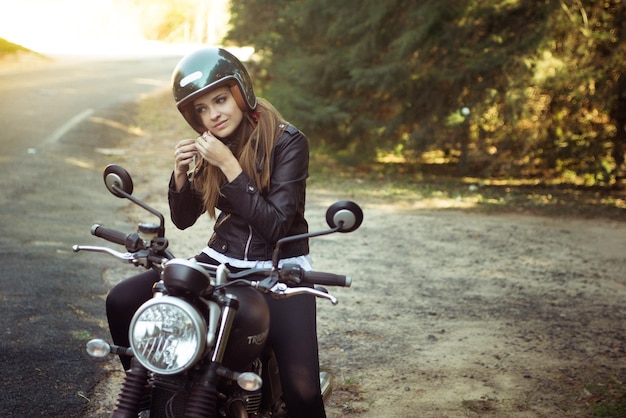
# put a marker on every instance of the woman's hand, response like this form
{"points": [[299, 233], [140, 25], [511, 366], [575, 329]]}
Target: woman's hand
{"points": [[184, 153], [216, 153]]}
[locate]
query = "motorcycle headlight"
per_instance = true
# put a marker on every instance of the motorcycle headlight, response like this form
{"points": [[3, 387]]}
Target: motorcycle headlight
{"points": [[167, 335]]}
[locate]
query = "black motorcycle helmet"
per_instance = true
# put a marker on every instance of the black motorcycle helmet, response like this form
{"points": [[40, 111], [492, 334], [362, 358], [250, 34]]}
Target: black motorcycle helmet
{"points": [[205, 69]]}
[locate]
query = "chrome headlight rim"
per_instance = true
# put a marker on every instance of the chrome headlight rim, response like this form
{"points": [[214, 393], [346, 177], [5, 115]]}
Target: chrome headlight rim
{"points": [[197, 326]]}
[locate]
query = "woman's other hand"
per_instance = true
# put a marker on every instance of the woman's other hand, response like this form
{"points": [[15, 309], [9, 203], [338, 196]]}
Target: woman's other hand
{"points": [[216, 153]]}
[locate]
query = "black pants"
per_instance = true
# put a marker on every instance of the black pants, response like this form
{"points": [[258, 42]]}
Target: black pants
{"points": [[292, 334]]}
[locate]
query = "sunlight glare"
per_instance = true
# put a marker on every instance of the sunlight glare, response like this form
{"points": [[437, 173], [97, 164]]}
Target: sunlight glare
{"points": [[67, 26]]}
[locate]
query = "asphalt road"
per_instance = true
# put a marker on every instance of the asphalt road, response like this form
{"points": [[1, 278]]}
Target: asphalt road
{"points": [[53, 119]]}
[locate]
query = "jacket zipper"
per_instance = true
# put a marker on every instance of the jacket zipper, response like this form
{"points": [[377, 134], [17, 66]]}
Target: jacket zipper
{"points": [[245, 253]]}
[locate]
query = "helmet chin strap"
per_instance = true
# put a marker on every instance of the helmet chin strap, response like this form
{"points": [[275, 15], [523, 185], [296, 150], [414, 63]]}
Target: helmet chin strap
{"points": [[234, 144], [228, 142]]}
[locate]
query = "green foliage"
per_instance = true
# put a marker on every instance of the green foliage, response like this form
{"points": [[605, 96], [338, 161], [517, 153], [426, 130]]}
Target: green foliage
{"points": [[373, 77], [606, 399], [9, 48]]}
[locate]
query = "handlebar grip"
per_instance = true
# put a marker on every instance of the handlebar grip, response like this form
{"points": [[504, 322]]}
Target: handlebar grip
{"points": [[108, 234], [327, 279]]}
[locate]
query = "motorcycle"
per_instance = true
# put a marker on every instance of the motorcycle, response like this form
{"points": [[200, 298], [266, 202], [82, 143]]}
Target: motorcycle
{"points": [[198, 347]]}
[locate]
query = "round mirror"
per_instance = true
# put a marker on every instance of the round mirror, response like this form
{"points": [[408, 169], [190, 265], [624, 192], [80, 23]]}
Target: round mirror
{"points": [[344, 214], [115, 175]]}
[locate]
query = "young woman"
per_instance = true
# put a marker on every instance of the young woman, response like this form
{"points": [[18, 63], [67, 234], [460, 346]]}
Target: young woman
{"points": [[252, 166]]}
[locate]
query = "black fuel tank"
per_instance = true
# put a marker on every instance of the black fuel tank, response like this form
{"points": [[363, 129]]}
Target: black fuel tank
{"points": [[250, 328]]}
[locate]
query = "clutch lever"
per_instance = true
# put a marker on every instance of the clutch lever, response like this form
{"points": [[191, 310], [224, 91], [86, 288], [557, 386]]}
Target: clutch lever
{"points": [[281, 290]]}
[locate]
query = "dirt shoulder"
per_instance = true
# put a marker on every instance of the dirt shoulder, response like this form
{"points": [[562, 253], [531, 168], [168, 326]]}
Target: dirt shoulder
{"points": [[452, 312], [455, 314]]}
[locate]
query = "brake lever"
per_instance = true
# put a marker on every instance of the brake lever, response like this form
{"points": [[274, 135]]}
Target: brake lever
{"points": [[139, 258], [281, 290], [122, 256]]}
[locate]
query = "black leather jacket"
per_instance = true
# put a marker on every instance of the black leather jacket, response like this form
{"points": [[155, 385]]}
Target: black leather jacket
{"points": [[250, 222]]}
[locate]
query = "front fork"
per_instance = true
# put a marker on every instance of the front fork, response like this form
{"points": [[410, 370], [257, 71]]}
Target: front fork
{"points": [[203, 399], [133, 391]]}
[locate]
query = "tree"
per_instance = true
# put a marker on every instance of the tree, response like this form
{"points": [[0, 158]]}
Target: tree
{"points": [[370, 77]]}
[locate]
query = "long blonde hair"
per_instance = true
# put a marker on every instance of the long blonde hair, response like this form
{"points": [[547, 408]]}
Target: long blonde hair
{"points": [[254, 142]]}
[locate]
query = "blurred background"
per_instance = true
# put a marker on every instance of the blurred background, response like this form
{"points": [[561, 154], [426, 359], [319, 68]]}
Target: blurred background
{"points": [[478, 89], [102, 26]]}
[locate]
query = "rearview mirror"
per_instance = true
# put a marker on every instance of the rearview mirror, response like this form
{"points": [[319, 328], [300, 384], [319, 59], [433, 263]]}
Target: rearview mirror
{"points": [[345, 215], [116, 178]]}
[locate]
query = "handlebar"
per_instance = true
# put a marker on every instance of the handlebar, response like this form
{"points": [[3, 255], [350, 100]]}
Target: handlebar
{"points": [[291, 274], [326, 279], [109, 234], [276, 281], [294, 274], [132, 242], [284, 281]]}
